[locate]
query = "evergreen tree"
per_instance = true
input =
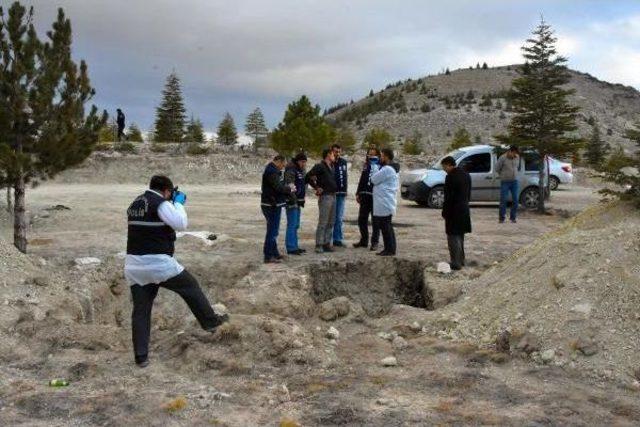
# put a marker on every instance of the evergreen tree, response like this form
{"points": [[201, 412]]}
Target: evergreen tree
{"points": [[624, 170], [378, 138], [170, 115], [543, 117], [346, 139], [227, 133], [255, 127], [413, 144], [43, 126], [371, 93], [135, 135], [478, 65], [461, 138], [484, 66], [447, 72], [302, 129], [195, 131], [597, 149]]}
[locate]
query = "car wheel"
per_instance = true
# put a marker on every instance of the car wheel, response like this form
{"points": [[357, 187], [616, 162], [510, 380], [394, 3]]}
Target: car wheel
{"points": [[554, 183], [435, 199], [530, 198]]}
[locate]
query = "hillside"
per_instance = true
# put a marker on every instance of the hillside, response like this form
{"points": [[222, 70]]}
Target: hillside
{"points": [[437, 105]]}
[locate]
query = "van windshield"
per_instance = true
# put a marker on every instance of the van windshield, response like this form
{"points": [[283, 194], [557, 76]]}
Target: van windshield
{"points": [[455, 154]]}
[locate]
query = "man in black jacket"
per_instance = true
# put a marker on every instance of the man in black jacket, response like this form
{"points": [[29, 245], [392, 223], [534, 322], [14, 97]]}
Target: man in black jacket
{"points": [[340, 169], [294, 174], [455, 210], [364, 197], [322, 178], [273, 199], [120, 121]]}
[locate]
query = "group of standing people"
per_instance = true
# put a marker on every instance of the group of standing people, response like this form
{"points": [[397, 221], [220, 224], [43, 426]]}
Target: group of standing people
{"points": [[284, 187]]}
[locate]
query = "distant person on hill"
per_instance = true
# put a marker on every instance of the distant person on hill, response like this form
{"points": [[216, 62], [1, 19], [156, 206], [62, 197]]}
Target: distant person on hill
{"points": [[455, 210], [384, 178], [340, 169], [323, 180], [154, 217], [120, 121], [508, 167], [294, 174], [364, 197], [274, 197]]}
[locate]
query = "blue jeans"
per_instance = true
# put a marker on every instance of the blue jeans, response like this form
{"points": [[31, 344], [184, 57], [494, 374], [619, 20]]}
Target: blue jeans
{"points": [[293, 224], [507, 187], [337, 225], [272, 215]]}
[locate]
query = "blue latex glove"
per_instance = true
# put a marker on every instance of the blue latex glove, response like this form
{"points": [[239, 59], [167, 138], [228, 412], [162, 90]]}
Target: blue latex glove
{"points": [[179, 197]]}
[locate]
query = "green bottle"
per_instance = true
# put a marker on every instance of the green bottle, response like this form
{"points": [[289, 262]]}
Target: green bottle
{"points": [[59, 382]]}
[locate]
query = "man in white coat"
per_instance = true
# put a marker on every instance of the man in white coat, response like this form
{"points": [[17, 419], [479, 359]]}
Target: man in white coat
{"points": [[384, 178]]}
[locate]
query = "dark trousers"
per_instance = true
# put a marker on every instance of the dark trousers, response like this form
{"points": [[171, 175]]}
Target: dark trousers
{"points": [[366, 211], [121, 133], [185, 285], [388, 235], [272, 215], [456, 250]]}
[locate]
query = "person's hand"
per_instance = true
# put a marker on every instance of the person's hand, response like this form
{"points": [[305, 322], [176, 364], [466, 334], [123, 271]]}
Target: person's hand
{"points": [[293, 187], [318, 191], [179, 197]]}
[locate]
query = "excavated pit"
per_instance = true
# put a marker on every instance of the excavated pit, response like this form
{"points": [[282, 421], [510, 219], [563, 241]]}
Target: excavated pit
{"points": [[376, 285]]}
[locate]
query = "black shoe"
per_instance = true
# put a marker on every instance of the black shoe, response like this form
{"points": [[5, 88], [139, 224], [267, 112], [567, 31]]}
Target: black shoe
{"points": [[360, 245], [501, 221], [272, 261], [328, 248], [455, 267], [302, 251], [294, 252], [514, 221], [142, 361], [374, 247], [222, 318], [385, 253], [339, 244]]}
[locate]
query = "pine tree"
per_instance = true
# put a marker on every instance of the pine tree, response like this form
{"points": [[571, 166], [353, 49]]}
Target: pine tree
{"points": [[227, 133], [543, 117], [195, 131], [255, 127], [302, 129], [484, 66], [447, 72], [371, 93], [378, 138], [597, 149], [170, 115], [413, 145], [135, 135], [346, 139], [43, 126], [461, 138]]}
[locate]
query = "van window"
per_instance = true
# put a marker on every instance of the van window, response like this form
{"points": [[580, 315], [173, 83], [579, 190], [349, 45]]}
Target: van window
{"points": [[477, 163], [531, 161], [455, 154]]}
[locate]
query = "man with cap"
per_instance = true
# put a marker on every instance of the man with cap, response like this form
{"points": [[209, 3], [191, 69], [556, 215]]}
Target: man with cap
{"points": [[294, 175]]}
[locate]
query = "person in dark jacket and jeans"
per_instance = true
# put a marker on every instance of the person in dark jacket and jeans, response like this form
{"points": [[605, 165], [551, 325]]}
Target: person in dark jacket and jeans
{"points": [[273, 199], [120, 121], [294, 174], [364, 197], [323, 180], [340, 168], [455, 210]]}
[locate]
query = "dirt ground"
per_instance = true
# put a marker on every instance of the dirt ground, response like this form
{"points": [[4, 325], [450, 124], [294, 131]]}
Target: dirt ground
{"points": [[274, 363]]}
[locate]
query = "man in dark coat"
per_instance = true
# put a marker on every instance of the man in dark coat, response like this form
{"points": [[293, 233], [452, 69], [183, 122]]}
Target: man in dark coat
{"points": [[120, 120], [455, 210], [364, 197], [273, 198]]}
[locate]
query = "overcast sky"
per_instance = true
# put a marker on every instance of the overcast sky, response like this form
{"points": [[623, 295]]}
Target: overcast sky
{"points": [[236, 55]]}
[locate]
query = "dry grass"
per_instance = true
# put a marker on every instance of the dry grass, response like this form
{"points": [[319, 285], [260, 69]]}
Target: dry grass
{"points": [[175, 405], [444, 405], [289, 422]]}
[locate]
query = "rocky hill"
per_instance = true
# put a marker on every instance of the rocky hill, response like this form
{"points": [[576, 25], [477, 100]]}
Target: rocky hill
{"points": [[437, 105]]}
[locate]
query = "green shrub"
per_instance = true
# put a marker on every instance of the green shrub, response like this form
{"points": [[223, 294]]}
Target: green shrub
{"points": [[158, 148], [125, 147], [195, 149]]}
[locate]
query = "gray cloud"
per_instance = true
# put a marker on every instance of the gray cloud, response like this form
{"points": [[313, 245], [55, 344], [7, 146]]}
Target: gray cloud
{"points": [[237, 55]]}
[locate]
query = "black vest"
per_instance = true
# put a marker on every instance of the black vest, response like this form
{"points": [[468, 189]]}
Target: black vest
{"points": [[147, 234]]}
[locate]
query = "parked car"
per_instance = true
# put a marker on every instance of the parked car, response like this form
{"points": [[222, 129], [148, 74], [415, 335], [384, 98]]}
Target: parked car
{"points": [[559, 173], [426, 187]]}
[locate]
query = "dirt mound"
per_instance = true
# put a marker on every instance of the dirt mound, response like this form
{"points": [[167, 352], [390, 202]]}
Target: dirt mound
{"points": [[571, 298], [13, 264]]}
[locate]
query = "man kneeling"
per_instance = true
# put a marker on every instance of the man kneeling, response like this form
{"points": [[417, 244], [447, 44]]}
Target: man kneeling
{"points": [[153, 219]]}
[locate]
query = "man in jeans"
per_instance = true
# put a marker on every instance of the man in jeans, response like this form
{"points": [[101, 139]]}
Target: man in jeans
{"points": [[153, 219], [364, 197], [340, 168], [508, 168], [384, 178], [294, 174], [273, 199], [323, 180]]}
